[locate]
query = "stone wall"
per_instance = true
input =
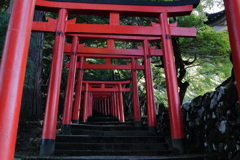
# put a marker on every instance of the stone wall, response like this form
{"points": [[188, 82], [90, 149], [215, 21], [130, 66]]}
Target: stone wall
{"points": [[212, 124]]}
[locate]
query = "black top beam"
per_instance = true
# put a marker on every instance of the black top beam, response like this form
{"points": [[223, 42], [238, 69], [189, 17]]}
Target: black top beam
{"points": [[137, 2]]}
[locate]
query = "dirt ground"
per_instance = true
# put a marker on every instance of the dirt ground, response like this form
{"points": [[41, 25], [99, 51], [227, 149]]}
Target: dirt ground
{"points": [[28, 138]]}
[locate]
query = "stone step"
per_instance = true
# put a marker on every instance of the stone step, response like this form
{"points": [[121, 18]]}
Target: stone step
{"points": [[109, 123], [110, 133], [102, 119], [108, 139], [110, 146], [182, 157], [111, 152], [107, 127]]}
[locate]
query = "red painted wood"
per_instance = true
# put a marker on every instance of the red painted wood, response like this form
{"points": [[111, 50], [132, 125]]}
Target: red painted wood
{"points": [[115, 37], [118, 105], [111, 52], [232, 9], [176, 123], [115, 29], [67, 112], [128, 66], [136, 106], [107, 89], [99, 90], [107, 82], [124, 38], [121, 107], [114, 18], [151, 111], [98, 56], [44, 27], [77, 101], [50, 119], [106, 66], [90, 105], [85, 106], [12, 72], [124, 10], [102, 90]]}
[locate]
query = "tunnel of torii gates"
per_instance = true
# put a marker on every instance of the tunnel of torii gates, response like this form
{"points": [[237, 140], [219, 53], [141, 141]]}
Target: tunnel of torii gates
{"points": [[15, 53], [104, 97]]}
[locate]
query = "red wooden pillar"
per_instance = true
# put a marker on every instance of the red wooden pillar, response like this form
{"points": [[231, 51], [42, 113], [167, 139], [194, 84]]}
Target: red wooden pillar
{"points": [[50, 119], [105, 105], [100, 106], [232, 10], [108, 105], [121, 107], [67, 112], [117, 105], [108, 109], [96, 103], [77, 101], [151, 111], [136, 106], [176, 123], [90, 105], [113, 105], [94, 106], [85, 106], [12, 74]]}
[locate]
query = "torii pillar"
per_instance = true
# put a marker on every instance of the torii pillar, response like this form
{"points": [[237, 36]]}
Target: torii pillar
{"points": [[50, 118], [232, 10], [12, 72], [78, 96], [175, 114], [67, 112]]}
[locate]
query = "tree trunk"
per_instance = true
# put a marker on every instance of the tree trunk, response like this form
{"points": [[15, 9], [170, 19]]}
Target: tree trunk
{"points": [[180, 67], [32, 108], [9, 10]]}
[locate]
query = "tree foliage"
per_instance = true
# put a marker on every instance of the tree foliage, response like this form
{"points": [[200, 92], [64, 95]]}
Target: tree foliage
{"points": [[210, 52]]}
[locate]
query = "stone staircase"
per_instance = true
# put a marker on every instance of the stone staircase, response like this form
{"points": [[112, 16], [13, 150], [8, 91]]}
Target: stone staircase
{"points": [[104, 137]]}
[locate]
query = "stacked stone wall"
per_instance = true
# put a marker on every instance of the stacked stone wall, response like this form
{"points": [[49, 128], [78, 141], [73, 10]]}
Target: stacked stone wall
{"points": [[212, 124]]}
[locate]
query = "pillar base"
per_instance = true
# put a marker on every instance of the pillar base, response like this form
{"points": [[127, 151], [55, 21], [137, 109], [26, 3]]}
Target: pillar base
{"points": [[47, 147], [75, 121], [137, 123], [152, 130], [178, 146], [66, 129]]}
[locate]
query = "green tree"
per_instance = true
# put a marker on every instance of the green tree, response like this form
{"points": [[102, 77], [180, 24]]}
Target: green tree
{"points": [[210, 52]]}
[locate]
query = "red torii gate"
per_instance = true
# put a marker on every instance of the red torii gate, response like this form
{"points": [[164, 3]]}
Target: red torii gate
{"points": [[15, 54], [108, 99], [104, 87], [90, 87], [108, 53], [61, 27]]}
